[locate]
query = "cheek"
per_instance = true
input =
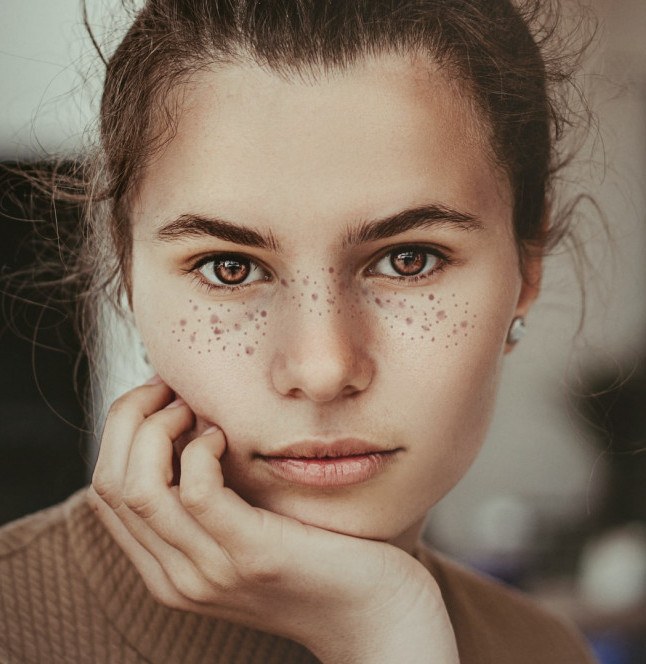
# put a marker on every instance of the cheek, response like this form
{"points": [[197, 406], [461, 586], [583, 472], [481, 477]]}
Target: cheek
{"points": [[225, 329], [429, 320]]}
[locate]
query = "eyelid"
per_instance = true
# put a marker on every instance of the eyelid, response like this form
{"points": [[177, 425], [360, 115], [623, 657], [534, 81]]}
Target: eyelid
{"points": [[197, 264], [442, 254]]}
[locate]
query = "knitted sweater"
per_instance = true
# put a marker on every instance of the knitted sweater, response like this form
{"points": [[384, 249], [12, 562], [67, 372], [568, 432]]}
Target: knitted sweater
{"points": [[69, 595]]}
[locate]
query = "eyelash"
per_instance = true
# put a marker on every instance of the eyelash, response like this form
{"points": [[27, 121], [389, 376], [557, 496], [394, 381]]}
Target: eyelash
{"points": [[443, 262]]}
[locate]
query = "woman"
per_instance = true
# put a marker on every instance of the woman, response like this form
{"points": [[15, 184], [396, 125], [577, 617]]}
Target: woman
{"points": [[327, 220]]}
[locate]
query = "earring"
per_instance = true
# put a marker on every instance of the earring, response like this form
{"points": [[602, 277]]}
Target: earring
{"points": [[517, 330]]}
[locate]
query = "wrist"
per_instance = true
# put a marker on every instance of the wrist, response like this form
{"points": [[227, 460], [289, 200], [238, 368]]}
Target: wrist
{"points": [[413, 627]]}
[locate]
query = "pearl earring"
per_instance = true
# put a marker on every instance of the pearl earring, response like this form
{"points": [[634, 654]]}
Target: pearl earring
{"points": [[517, 330]]}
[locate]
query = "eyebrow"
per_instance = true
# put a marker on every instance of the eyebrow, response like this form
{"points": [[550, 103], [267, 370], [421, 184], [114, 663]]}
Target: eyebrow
{"points": [[193, 225], [423, 216]]}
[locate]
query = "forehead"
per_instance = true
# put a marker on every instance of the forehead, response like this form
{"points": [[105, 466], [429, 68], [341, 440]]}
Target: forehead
{"points": [[384, 133]]}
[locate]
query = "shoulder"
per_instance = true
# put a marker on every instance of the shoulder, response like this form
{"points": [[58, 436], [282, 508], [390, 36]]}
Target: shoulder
{"points": [[497, 624], [16, 536]]}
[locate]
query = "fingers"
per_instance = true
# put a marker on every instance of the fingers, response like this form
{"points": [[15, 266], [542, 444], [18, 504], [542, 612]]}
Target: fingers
{"points": [[245, 534], [125, 416]]}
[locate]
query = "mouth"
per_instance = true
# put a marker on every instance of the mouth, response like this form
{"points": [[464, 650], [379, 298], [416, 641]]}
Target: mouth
{"points": [[336, 464]]}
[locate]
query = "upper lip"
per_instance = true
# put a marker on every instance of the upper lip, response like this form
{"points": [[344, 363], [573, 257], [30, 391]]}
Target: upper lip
{"points": [[311, 449]]}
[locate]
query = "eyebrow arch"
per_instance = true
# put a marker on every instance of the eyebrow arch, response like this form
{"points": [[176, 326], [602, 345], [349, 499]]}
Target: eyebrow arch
{"points": [[194, 225], [423, 216]]}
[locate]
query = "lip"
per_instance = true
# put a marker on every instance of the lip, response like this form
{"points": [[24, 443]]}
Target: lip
{"points": [[335, 464]]}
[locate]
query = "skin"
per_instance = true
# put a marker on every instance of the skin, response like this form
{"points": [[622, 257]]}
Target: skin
{"points": [[324, 340]]}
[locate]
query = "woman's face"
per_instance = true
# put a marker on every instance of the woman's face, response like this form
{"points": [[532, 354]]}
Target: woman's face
{"points": [[326, 267]]}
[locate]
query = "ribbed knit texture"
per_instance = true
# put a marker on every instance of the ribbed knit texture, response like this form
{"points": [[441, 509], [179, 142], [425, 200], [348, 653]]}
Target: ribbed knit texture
{"points": [[69, 595]]}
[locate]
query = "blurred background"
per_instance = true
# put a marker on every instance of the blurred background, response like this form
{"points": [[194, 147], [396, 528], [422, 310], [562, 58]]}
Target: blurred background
{"points": [[556, 502]]}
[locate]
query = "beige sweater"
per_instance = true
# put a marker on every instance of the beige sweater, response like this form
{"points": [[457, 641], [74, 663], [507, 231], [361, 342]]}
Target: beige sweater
{"points": [[68, 594]]}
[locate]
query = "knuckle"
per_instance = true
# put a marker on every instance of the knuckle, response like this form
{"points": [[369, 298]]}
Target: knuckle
{"points": [[191, 588], [141, 501], [164, 594], [121, 406], [196, 498], [107, 488], [260, 570]]}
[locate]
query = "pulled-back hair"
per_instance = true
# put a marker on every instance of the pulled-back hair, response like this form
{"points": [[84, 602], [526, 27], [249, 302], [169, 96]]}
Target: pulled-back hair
{"points": [[507, 57], [488, 47]]}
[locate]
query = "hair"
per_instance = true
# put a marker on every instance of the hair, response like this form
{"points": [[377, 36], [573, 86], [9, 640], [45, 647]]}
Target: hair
{"points": [[508, 59]]}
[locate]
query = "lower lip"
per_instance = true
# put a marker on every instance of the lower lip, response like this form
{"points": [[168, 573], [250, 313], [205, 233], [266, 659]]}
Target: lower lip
{"points": [[330, 471]]}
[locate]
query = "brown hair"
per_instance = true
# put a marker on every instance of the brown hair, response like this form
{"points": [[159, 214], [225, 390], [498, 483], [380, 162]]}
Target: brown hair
{"points": [[507, 56], [487, 45]]}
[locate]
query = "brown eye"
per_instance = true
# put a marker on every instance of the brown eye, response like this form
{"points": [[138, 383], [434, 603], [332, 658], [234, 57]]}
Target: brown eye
{"points": [[231, 271], [408, 263]]}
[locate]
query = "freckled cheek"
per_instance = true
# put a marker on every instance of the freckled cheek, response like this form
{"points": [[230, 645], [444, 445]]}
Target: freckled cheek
{"points": [[443, 321], [206, 347]]}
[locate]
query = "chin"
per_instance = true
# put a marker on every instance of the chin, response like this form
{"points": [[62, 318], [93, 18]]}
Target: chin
{"points": [[355, 520]]}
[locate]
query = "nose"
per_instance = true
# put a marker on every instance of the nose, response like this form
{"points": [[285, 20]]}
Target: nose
{"points": [[321, 355]]}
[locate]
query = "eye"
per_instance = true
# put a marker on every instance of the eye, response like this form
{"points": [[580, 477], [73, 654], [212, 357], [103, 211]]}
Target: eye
{"points": [[411, 262], [230, 270]]}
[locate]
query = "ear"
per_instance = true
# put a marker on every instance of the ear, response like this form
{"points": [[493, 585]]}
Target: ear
{"points": [[532, 273], [531, 286]]}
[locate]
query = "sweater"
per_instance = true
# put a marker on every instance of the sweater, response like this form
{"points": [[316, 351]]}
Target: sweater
{"points": [[68, 594]]}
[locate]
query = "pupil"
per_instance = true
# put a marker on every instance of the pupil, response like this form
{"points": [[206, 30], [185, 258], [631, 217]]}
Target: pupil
{"points": [[232, 270], [409, 262]]}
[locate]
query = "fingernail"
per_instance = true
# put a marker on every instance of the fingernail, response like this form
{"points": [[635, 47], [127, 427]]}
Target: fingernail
{"points": [[210, 430], [178, 402], [155, 380]]}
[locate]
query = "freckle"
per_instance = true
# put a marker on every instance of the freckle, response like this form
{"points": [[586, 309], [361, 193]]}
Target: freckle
{"points": [[236, 326], [263, 313], [224, 347], [195, 307], [409, 321], [172, 331], [432, 338], [338, 311], [315, 296], [182, 322], [229, 311], [378, 302], [199, 320], [441, 315], [249, 315], [464, 323], [330, 270], [257, 326]]}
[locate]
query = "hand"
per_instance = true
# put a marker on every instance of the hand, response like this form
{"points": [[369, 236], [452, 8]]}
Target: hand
{"points": [[200, 547]]}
